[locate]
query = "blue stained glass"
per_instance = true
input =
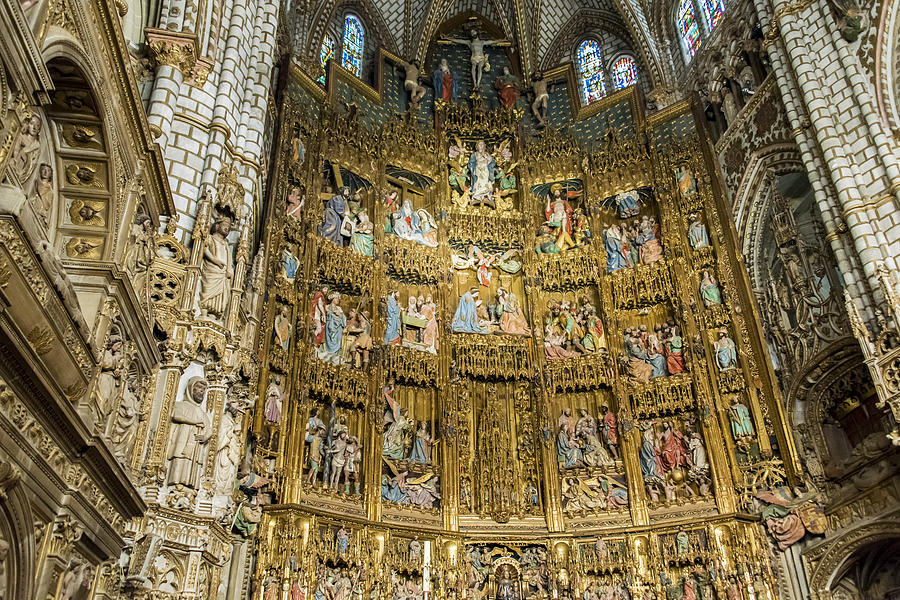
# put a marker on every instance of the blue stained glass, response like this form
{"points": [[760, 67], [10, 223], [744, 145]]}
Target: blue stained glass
{"points": [[624, 72], [688, 28], [590, 70], [354, 44], [713, 10], [325, 54]]}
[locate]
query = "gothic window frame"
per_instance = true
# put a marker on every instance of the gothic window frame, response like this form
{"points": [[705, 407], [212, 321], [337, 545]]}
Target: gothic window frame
{"points": [[323, 60], [601, 77], [355, 67], [706, 14], [612, 70]]}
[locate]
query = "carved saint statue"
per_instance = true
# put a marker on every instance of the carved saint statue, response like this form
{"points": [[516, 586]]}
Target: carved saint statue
{"points": [[507, 86], [446, 83], [726, 353], [140, 254], [216, 270], [112, 370], [25, 151], [42, 196], [228, 452], [189, 435], [697, 235], [124, 426], [709, 290], [481, 173], [541, 98], [466, 318], [741, 423]]}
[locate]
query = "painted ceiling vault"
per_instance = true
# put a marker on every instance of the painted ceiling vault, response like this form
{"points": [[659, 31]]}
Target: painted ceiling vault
{"points": [[542, 31]]}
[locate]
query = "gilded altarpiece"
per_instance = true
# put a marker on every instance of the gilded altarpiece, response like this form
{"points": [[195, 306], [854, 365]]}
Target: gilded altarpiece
{"points": [[497, 367]]}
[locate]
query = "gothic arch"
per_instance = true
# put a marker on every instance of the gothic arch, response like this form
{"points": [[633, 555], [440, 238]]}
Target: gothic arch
{"points": [[17, 529], [833, 557], [887, 65]]}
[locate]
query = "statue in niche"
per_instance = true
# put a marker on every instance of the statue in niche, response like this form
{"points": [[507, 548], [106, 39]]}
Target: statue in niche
{"points": [[687, 185], [558, 213], [481, 174], [317, 314], [421, 450], [25, 151], [113, 367], [697, 234], [726, 352], [568, 452], [729, 106], [412, 83], [289, 265], [123, 427], [478, 58], [741, 422], [282, 327], [362, 236], [228, 452], [337, 457], [512, 321], [466, 319], [415, 550], [296, 199], [216, 270], [747, 81], [709, 290], [394, 442], [507, 86], [481, 263], [610, 431], [359, 333], [428, 312], [335, 212], [189, 435], [541, 98], [672, 461], [353, 458], [274, 400], [317, 442], [614, 242], [416, 225], [335, 322], [42, 197], [446, 83], [298, 148], [506, 586], [392, 332], [140, 254], [573, 329]]}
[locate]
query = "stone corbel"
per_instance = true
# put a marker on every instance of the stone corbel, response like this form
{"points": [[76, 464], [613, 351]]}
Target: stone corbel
{"points": [[180, 50]]}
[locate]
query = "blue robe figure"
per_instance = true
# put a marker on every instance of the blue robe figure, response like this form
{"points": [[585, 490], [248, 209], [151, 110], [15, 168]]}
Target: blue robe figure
{"points": [[697, 235], [612, 241], [466, 318], [418, 451], [392, 331], [726, 353], [650, 467], [627, 204], [335, 321], [658, 361], [335, 209], [566, 453], [289, 264], [446, 84], [391, 491]]}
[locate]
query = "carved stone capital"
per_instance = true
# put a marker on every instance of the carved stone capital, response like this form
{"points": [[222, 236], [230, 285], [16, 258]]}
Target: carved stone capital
{"points": [[179, 50]]}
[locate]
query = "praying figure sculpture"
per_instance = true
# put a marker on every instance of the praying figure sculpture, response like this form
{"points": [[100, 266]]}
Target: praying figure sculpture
{"points": [[216, 270]]}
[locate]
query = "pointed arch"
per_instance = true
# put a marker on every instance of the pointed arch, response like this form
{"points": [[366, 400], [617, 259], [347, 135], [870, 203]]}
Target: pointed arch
{"points": [[590, 71], [353, 46]]}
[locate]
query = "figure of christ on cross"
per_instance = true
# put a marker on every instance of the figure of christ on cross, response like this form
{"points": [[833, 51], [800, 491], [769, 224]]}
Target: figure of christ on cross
{"points": [[476, 45]]}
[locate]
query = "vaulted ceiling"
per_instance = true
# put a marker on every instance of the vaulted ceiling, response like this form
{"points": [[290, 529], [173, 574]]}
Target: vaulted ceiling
{"points": [[542, 30]]}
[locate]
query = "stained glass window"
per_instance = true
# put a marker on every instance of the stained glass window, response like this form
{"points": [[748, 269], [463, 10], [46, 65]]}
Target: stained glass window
{"points": [[624, 72], [688, 28], [713, 11], [354, 43], [590, 69], [325, 54]]}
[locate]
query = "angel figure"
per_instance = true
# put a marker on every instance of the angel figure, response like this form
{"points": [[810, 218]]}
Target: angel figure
{"points": [[477, 260], [789, 516]]}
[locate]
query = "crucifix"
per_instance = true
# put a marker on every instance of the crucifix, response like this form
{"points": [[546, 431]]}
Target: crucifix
{"points": [[479, 59]]}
